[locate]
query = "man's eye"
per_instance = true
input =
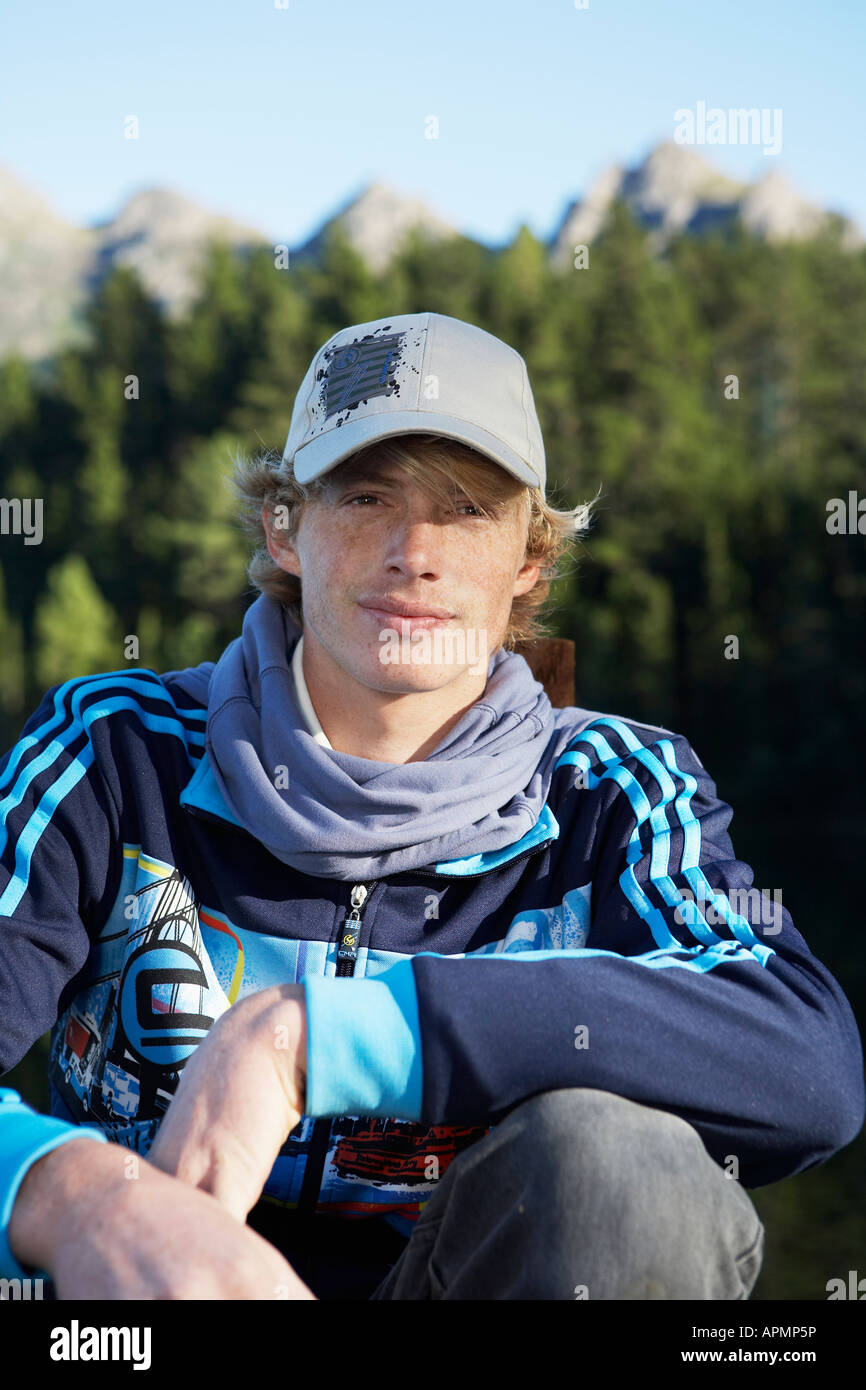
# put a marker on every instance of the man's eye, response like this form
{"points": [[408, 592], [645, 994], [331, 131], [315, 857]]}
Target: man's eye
{"points": [[363, 497]]}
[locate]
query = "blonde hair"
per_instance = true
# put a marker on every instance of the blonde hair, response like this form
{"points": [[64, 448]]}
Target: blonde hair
{"points": [[445, 468]]}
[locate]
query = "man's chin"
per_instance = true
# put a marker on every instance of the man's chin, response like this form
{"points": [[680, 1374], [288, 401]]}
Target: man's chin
{"points": [[414, 680], [430, 658]]}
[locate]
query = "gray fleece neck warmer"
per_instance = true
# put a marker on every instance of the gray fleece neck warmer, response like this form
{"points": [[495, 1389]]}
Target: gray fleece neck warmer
{"points": [[335, 815]]}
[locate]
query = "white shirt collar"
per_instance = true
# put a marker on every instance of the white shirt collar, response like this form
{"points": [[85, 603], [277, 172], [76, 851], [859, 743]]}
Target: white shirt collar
{"points": [[304, 700]]}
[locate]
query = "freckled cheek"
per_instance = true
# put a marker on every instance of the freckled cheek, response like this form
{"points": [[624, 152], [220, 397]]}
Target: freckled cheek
{"points": [[485, 566], [335, 554]]}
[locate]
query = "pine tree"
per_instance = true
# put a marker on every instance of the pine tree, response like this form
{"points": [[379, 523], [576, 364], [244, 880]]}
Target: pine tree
{"points": [[76, 631]]}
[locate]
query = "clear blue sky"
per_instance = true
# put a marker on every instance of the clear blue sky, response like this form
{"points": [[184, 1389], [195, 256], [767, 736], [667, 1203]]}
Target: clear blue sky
{"points": [[276, 116]]}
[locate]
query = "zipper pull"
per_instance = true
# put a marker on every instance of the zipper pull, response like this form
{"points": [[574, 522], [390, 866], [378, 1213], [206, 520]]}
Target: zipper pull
{"points": [[347, 951]]}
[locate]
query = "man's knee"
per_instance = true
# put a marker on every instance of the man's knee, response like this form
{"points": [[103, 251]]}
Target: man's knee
{"points": [[632, 1199], [564, 1157], [588, 1132], [583, 1188]]}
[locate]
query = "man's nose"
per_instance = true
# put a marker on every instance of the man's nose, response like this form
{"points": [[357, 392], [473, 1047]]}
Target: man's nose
{"points": [[415, 546]]}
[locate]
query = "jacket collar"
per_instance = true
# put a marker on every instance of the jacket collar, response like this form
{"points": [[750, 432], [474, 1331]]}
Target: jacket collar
{"points": [[202, 793], [546, 828]]}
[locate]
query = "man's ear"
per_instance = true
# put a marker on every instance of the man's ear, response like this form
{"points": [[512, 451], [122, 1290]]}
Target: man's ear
{"points": [[281, 551], [527, 577]]}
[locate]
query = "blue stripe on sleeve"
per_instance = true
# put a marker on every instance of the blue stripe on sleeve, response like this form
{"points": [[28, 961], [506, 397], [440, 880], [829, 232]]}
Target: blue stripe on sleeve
{"points": [[663, 770], [40, 817], [67, 720]]}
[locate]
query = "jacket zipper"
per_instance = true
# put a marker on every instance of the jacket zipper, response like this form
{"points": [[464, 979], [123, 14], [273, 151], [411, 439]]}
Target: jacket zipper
{"points": [[347, 948], [347, 956]]}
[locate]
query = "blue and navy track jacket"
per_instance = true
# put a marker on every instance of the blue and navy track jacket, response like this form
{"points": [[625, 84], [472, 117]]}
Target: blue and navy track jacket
{"points": [[618, 945]]}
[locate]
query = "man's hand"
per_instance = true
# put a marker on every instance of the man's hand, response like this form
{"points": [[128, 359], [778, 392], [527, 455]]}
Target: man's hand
{"points": [[105, 1224], [240, 1096]]}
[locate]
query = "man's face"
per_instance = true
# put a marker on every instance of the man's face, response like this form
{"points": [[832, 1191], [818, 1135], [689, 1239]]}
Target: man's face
{"points": [[402, 592]]}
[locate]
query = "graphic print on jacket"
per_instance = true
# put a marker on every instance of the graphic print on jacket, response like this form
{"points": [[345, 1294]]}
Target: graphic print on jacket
{"points": [[162, 971]]}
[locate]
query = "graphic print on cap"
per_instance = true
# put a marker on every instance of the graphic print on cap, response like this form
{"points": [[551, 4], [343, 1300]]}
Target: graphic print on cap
{"points": [[356, 371]]}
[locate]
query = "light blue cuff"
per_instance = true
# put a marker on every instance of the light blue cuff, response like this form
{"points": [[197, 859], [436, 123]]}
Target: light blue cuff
{"points": [[25, 1136], [364, 1045]]}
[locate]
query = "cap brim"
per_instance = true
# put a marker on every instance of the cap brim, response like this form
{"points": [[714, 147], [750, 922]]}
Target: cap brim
{"points": [[324, 452]]}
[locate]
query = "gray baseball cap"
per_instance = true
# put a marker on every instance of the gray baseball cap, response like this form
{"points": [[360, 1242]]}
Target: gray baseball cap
{"points": [[414, 373]]}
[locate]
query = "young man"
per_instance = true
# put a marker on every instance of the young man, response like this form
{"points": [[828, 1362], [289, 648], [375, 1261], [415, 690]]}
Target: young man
{"points": [[453, 994]]}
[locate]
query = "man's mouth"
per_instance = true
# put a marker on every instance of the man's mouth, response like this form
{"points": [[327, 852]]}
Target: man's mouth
{"points": [[404, 616]]}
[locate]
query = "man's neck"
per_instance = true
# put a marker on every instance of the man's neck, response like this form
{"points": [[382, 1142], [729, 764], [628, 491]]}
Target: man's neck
{"points": [[372, 724], [311, 719]]}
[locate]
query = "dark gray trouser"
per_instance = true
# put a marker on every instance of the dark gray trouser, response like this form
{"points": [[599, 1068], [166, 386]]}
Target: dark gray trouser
{"points": [[582, 1194]]}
